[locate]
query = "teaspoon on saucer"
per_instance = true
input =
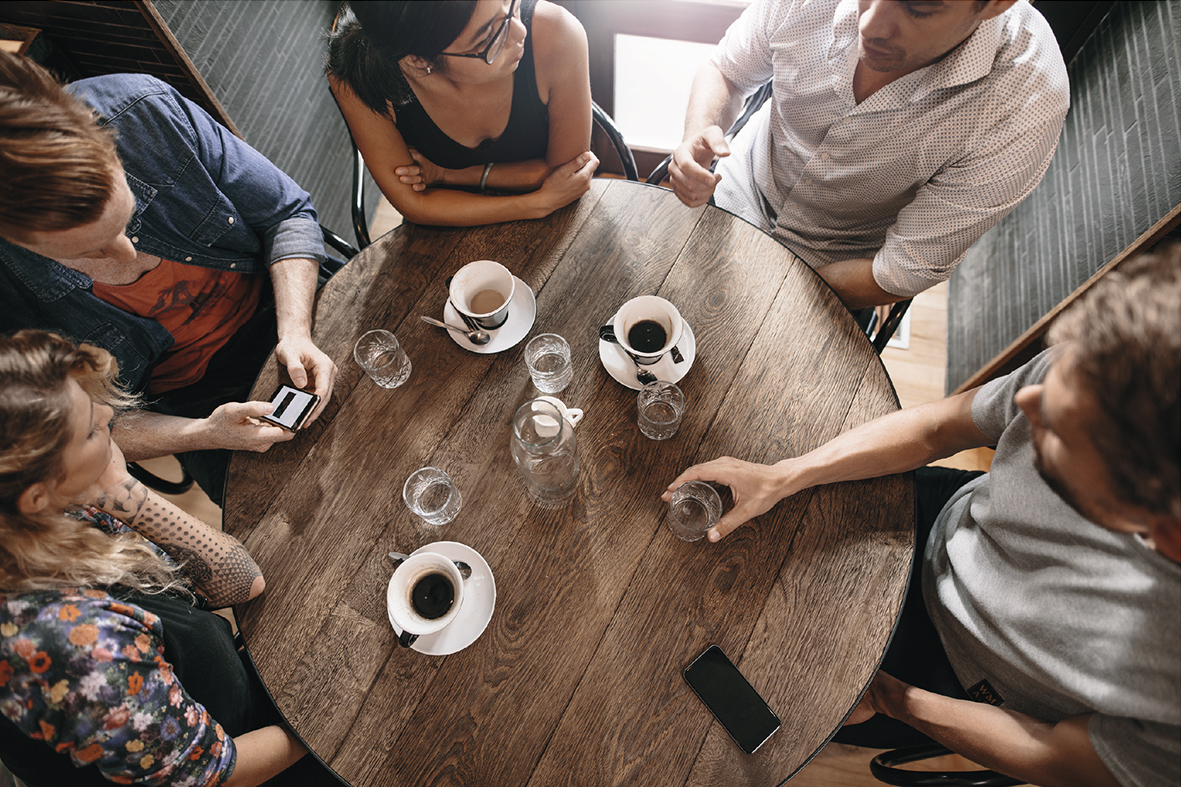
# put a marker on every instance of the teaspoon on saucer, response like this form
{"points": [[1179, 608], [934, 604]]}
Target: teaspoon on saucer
{"points": [[607, 334], [476, 336]]}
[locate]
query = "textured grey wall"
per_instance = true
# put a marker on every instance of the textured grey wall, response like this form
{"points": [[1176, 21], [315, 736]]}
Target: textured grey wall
{"points": [[264, 60], [1117, 172]]}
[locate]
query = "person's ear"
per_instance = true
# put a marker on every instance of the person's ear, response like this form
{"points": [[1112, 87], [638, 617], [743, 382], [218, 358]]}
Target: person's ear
{"points": [[35, 499], [416, 64], [1165, 533]]}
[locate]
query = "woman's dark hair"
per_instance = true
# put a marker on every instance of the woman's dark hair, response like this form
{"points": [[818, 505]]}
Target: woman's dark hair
{"points": [[370, 38]]}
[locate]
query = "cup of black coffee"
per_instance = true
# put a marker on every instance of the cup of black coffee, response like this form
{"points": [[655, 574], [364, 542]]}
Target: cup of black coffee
{"points": [[424, 595], [647, 327]]}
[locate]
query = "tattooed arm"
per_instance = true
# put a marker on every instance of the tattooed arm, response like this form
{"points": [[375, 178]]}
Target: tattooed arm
{"points": [[217, 563]]}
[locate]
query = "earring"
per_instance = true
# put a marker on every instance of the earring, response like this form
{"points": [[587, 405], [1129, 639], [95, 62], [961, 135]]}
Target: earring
{"points": [[428, 70]]}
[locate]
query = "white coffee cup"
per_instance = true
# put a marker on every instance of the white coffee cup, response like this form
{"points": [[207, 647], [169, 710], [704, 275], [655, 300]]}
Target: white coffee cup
{"points": [[648, 308], [482, 290], [412, 604]]}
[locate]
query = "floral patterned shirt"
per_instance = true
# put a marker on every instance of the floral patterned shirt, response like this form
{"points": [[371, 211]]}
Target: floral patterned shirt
{"points": [[86, 674]]}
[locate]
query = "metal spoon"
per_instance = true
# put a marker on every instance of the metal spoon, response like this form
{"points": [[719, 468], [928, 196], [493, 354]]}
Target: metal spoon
{"points": [[607, 334], [476, 337], [465, 570]]}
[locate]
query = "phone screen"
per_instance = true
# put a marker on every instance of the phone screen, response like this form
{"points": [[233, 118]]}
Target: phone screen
{"points": [[732, 700], [292, 407]]}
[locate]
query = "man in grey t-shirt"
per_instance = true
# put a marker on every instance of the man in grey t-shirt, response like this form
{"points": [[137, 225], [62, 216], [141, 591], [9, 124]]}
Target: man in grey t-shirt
{"points": [[1045, 640]]}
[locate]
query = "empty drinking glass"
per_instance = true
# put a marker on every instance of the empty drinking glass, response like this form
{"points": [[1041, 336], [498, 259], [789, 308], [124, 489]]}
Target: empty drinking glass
{"points": [[548, 358], [382, 358], [694, 508], [432, 496], [659, 407]]}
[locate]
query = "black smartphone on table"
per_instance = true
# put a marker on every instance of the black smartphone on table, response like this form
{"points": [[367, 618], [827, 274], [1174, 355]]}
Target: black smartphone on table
{"points": [[731, 699], [292, 407]]}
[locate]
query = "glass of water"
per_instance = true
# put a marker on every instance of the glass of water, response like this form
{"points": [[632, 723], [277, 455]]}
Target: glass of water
{"points": [[694, 508], [548, 358], [382, 358], [659, 408], [431, 494]]}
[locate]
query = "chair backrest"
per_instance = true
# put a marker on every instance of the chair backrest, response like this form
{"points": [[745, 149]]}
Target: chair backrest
{"points": [[882, 768], [605, 122], [749, 108]]}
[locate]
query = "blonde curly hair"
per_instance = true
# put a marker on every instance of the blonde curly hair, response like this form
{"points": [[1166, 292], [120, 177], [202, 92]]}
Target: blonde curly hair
{"points": [[52, 549]]}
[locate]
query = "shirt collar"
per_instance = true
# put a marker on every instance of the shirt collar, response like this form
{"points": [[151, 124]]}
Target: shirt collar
{"points": [[970, 61]]}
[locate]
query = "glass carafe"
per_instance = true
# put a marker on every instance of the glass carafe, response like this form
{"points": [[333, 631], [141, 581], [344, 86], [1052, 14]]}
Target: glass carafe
{"points": [[546, 451]]}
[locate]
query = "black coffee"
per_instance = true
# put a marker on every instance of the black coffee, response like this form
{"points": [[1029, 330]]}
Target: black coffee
{"points": [[432, 596], [646, 336]]}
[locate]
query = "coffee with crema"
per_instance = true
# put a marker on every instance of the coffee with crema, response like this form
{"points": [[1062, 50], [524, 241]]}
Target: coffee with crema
{"points": [[486, 301], [432, 596], [646, 336]]}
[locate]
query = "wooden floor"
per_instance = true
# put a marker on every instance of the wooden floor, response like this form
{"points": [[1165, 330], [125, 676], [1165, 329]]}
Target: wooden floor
{"points": [[918, 375]]}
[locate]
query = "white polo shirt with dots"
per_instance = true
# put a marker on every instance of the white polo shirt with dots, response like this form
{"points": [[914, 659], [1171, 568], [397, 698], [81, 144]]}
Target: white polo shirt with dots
{"points": [[911, 176]]}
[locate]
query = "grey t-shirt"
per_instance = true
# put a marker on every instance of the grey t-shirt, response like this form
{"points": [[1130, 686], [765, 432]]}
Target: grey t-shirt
{"points": [[1060, 616]]}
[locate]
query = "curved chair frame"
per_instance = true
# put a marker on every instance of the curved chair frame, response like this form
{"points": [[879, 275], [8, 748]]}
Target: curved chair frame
{"points": [[882, 768]]}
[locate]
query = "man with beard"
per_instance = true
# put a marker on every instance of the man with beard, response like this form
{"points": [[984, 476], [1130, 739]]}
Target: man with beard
{"points": [[1040, 634]]}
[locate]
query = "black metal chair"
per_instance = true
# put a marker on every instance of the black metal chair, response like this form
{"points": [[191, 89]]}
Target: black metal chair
{"points": [[607, 124], [753, 102], [882, 768], [598, 115]]}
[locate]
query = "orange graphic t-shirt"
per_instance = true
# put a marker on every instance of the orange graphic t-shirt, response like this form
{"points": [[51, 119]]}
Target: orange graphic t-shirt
{"points": [[201, 307]]}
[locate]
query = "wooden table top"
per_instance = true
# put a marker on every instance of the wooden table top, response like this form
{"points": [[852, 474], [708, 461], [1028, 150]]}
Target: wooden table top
{"points": [[577, 679]]}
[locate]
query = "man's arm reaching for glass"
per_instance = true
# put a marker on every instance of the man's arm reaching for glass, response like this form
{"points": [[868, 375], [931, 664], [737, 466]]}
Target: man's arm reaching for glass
{"points": [[895, 443]]}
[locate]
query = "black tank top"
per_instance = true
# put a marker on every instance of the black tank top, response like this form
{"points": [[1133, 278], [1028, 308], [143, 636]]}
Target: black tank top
{"points": [[525, 137]]}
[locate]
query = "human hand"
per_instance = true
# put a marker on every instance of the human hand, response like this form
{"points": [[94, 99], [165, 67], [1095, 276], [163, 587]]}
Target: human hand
{"points": [[569, 181], [234, 426], [422, 173], [301, 356], [885, 693], [755, 488], [689, 171]]}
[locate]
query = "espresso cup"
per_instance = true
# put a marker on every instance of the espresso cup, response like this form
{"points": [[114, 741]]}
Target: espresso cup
{"points": [[481, 292], [647, 327], [425, 595]]}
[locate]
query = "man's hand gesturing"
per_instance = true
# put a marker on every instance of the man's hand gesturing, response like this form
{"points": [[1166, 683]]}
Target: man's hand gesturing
{"points": [[689, 171]]}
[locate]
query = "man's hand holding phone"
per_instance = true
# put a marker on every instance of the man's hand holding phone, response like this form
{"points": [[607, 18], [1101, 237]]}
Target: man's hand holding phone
{"points": [[238, 426]]}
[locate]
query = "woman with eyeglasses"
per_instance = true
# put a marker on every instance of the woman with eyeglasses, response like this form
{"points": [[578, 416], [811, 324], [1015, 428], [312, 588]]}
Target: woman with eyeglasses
{"points": [[448, 101], [109, 670]]}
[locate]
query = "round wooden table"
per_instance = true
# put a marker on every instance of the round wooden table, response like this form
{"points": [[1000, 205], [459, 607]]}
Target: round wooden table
{"points": [[577, 679]]}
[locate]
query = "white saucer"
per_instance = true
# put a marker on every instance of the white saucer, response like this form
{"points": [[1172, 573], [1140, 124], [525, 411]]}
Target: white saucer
{"points": [[479, 599], [522, 311], [620, 366]]}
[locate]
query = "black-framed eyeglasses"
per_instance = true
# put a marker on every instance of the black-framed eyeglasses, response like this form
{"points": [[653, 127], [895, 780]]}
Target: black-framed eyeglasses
{"points": [[495, 44]]}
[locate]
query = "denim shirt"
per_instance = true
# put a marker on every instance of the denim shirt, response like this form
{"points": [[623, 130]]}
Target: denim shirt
{"points": [[203, 197]]}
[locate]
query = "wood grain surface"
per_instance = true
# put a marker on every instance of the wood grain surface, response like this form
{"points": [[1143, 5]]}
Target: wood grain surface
{"points": [[577, 679]]}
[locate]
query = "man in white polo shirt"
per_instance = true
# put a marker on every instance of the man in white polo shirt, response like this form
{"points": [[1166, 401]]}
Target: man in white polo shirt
{"points": [[896, 134]]}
